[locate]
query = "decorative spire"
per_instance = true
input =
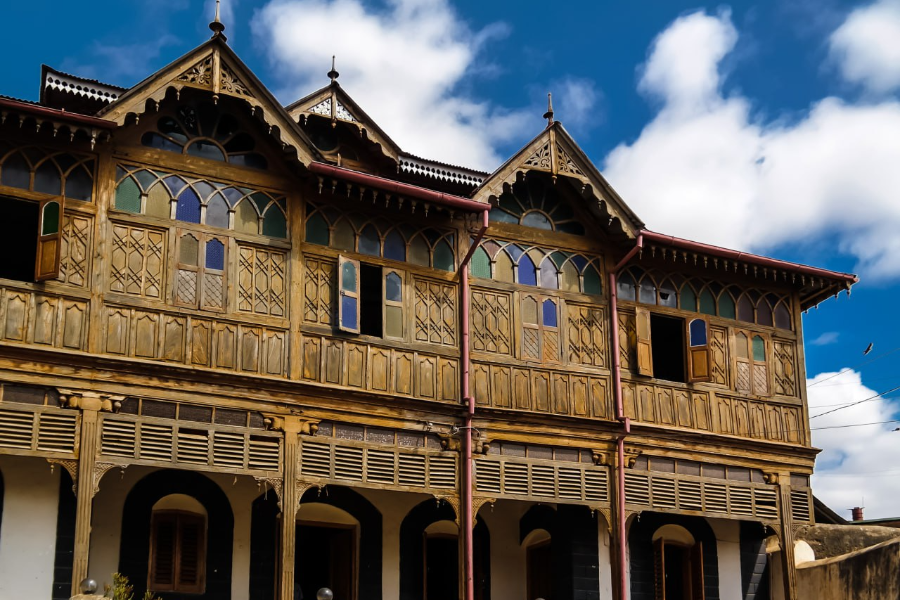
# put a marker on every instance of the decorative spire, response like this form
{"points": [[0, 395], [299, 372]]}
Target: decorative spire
{"points": [[333, 74], [216, 26], [549, 114]]}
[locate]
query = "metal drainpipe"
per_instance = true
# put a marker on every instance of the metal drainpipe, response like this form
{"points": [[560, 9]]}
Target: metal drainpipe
{"points": [[620, 415], [466, 517]]}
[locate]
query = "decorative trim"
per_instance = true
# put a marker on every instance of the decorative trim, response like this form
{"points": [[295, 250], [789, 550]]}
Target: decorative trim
{"points": [[477, 503], [71, 466], [231, 84], [540, 158], [80, 87], [200, 74], [435, 170], [565, 162], [453, 501], [100, 469], [276, 483], [607, 515]]}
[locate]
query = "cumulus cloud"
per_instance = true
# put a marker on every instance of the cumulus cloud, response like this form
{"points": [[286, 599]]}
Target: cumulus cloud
{"points": [[866, 47], [405, 63], [858, 465], [706, 158]]}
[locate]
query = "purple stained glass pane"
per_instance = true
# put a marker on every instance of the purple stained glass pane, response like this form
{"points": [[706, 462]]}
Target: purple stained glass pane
{"points": [[549, 313], [188, 209], [348, 312], [215, 255], [527, 274]]}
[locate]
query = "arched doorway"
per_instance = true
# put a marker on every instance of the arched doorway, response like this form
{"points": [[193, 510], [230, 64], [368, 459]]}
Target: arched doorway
{"points": [[440, 552], [177, 533], [539, 564], [677, 564]]}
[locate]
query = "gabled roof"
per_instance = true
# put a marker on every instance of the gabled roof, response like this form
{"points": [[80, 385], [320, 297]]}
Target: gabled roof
{"points": [[214, 67], [554, 151], [65, 83]]}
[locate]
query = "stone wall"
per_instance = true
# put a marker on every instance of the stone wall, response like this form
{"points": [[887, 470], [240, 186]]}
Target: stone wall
{"points": [[869, 574]]}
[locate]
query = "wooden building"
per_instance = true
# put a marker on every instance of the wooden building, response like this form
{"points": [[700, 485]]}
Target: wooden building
{"points": [[248, 351]]}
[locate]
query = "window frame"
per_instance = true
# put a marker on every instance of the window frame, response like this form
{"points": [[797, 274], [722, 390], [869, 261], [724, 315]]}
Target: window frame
{"points": [[542, 330], [753, 365], [180, 519], [200, 294]]}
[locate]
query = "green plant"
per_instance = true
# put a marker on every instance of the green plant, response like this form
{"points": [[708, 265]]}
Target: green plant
{"points": [[121, 589]]}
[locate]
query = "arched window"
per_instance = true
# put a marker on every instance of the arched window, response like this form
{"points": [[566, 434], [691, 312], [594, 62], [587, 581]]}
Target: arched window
{"points": [[393, 305], [178, 545], [369, 241], [394, 246], [317, 230], [527, 274], [678, 564], [625, 287], [43, 171], [549, 275]]}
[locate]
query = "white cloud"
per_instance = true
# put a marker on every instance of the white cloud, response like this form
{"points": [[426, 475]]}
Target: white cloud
{"points": [[829, 337], [858, 465], [705, 159], [403, 63], [866, 47]]}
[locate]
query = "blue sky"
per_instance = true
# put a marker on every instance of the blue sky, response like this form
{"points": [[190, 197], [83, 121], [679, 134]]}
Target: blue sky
{"points": [[767, 126]]}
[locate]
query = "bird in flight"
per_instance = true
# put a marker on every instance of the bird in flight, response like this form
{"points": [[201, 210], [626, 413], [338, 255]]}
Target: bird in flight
{"points": [[868, 348]]}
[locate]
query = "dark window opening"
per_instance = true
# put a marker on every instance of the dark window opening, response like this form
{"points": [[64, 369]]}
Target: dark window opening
{"points": [[18, 239], [667, 334], [441, 567], [370, 317]]}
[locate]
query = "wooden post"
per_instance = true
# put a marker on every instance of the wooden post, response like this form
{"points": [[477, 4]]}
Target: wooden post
{"points": [[87, 460], [788, 566], [289, 504]]}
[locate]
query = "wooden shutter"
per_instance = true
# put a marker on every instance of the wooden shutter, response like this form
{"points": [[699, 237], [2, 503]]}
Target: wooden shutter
{"points": [[699, 358], [190, 558], [46, 265], [531, 329], [697, 580], [644, 347], [163, 544], [393, 303], [177, 552], [659, 569], [742, 365], [348, 283]]}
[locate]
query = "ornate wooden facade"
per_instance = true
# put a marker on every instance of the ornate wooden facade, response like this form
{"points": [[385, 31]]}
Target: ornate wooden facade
{"points": [[233, 287]]}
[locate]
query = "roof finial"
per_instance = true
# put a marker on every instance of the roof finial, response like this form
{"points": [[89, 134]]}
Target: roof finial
{"points": [[216, 26], [549, 114], [333, 74]]}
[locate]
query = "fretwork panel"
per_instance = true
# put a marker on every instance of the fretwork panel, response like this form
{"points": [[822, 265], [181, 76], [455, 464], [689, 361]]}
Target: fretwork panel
{"points": [[261, 281], [75, 250], [586, 335], [319, 291], [435, 312], [627, 337], [785, 381], [491, 320], [138, 261], [718, 341]]}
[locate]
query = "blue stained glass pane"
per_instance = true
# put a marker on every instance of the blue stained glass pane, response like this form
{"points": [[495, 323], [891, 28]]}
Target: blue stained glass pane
{"points": [[348, 312], [549, 313], [498, 216], [579, 261], [394, 246], [188, 209], [549, 277], [154, 140], [204, 149], [698, 332], [215, 255], [369, 242], [393, 289], [527, 273], [175, 184], [348, 277], [514, 252], [443, 256]]}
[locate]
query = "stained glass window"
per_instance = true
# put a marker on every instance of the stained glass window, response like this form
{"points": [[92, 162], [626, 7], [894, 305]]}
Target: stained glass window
{"points": [[570, 279], [419, 253], [527, 274], [782, 317], [443, 256], [128, 196], [188, 207], [246, 218], [215, 255], [159, 202], [189, 251], [549, 315], [688, 298], [740, 346], [16, 172], [481, 264], [549, 275], [503, 267], [745, 309], [647, 293], [707, 302], [317, 230], [592, 284], [726, 305], [79, 184], [698, 332], [395, 246], [759, 349], [625, 287], [50, 218], [274, 223], [217, 212], [763, 313], [47, 179], [369, 241], [535, 202]]}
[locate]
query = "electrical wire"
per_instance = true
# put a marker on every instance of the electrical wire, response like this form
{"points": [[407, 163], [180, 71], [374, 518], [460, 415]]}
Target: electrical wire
{"points": [[849, 369], [854, 425], [834, 410]]}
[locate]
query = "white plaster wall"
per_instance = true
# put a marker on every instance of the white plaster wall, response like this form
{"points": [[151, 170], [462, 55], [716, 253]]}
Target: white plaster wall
{"points": [[508, 580], [106, 525], [728, 545], [604, 558], [28, 530]]}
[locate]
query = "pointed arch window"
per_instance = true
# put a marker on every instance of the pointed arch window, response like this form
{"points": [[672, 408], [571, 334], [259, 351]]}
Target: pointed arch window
{"points": [[200, 273], [44, 171], [540, 328]]}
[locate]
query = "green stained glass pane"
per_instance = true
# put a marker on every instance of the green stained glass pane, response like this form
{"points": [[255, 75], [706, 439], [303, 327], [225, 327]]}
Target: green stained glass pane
{"points": [[419, 252], [530, 311], [50, 218], [481, 264], [443, 256], [344, 238], [759, 348], [570, 282], [687, 299], [260, 200], [393, 321], [559, 257], [317, 230], [189, 252], [246, 218], [592, 284], [274, 223], [348, 277], [159, 201], [128, 196], [707, 303], [726, 305]]}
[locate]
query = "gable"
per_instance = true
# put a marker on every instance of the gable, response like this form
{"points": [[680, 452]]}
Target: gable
{"points": [[215, 69], [556, 154]]}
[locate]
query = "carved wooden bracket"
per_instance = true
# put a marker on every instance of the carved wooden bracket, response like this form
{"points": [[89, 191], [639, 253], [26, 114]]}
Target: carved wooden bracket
{"points": [[276, 483], [88, 400], [100, 470], [631, 457], [771, 478], [599, 458], [305, 486], [477, 503], [69, 465], [452, 501], [450, 442], [607, 516], [482, 446], [303, 426]]}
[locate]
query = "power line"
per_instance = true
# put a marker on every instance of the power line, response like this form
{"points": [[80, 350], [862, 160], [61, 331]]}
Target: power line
{"points": [[865, 474], [854, 425], [828, 412], [849, 369]]}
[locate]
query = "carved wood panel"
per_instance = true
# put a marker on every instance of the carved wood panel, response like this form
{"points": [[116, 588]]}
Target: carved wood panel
{"points": [[718, 342], [627, 340], [785, 378], [261, 281], [491, 322], [435, 312], [43, 319], [137, 263], [319, 290], [586, 334], [75, 249]]}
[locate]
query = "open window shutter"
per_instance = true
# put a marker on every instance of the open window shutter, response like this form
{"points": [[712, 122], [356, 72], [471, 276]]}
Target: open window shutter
{"points": [[162, 559], [698, 351], [348, 307], [531, 329], [742, 364], [393, 303], [190, 564], [659, 569], [644, 347], [697, 581], [49, 232]]}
